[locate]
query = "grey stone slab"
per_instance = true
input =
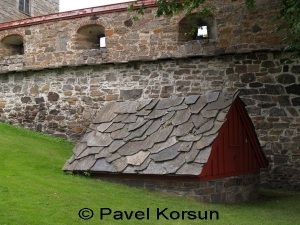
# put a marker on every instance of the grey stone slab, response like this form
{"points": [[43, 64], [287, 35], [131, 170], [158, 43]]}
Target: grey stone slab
{"points": [[221, 116], [212, 96], [130, 119], [143, 112], [203, 155], [206, 141], [103, 126], [93, 127], [105, 114], [215, 129], [142, 104], [131, 94], [120, 134], [191, 99], [85, 164], [167, 117], [129, 170], [114, 127], [90, 151], [142, 138], [191, 155], [152, 104], [154, 168], [138, 123], [209, 113], [190, 169], [79, 148], [115, 145], [153, 127], [161, 135], [163, 145], [120, 118], [120, 164], [173, 165], [72, 159], [166, 103], [131, 148], [126, 107], [181, 117], [113, 157], [166, 154], [190, 137], [102, 165], [143, 166], [205, 127], [177, 108], [104, 153], [99, 139], [138, 158], [198, 120], [185, 146], [138, 132], [225, 100], [200, 104], [183, 129], [69, 166], [156, 114]]}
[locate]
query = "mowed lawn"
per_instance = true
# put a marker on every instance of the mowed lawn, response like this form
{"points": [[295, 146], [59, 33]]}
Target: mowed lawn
{"points": [[34, 190]]}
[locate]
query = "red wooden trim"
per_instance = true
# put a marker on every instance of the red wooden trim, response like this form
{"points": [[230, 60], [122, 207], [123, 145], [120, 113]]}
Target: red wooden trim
{"points": [[263, 163], [231, 154], [75, 14]]}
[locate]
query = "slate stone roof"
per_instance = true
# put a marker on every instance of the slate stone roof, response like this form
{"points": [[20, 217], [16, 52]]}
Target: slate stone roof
{"points": [[160, 136]]}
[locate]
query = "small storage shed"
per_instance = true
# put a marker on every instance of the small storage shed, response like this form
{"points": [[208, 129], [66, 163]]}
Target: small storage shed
{"points": [[203, 146]]}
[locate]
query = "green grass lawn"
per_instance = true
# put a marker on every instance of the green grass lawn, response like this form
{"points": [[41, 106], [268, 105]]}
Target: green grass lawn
{"points": [[34, 190]]}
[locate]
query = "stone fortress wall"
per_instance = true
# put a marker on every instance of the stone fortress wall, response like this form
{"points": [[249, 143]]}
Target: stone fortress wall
{"points": [[54, 77]]}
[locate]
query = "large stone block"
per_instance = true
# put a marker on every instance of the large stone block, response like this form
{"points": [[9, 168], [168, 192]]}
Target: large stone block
{"points": [[131, 94]]}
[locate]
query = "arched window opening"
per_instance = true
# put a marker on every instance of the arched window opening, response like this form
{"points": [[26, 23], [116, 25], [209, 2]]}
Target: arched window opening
{"points": [[91, 37], [193, 27], [12, 45]]}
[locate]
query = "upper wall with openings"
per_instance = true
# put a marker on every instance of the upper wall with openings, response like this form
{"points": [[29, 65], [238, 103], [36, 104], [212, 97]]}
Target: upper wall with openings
{"points": [[107, 34]]}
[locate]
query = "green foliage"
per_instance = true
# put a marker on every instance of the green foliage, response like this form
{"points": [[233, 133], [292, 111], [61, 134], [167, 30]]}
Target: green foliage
{"points": [[171, 7], [290, 17]]}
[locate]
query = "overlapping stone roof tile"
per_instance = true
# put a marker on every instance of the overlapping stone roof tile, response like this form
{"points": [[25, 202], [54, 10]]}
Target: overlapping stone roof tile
{"points": [[170, 136]]}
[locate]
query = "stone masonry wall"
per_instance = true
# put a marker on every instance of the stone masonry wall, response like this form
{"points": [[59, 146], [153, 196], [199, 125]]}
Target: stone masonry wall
{"points": [[62, 101], [230, 189], [9, 9], [53, 42]]}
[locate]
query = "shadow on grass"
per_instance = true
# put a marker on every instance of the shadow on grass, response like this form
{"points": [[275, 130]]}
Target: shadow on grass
{"points": [[271, 195]]}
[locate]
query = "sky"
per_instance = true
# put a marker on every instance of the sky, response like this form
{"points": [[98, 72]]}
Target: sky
{"points": [[67, 5]]}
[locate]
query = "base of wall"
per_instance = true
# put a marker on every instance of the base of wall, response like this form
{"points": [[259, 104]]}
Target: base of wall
{"points": [[231, 189]]}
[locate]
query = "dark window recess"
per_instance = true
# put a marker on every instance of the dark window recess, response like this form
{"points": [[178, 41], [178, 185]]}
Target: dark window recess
{"points": [[13, 45], [24, 6], [192, 27], [91, 36]]}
